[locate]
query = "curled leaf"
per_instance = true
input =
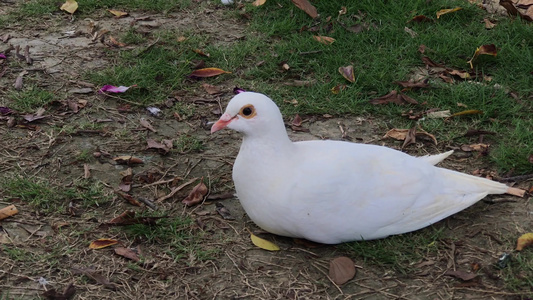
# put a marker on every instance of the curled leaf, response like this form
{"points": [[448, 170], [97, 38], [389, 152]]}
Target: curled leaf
{"points": [[196, 195], [447, 11], [127, 160], [258, 2], [326, 40], [69, 6], [523, 241], [117, 13], [207, 72], [420, 19], [341, 269], [102, 243], [307, 7], [489, 49], [465, 276], [127, 253], [347, 73], [263, 244]]}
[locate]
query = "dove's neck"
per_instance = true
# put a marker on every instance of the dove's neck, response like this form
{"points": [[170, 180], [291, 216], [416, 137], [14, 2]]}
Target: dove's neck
{"points": [[274, 142]]}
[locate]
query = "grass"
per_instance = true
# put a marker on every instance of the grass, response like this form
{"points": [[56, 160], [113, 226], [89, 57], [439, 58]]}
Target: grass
{"points": [[48, 198], [187, 144], [175, 236], [398, 252], [29, 99]]}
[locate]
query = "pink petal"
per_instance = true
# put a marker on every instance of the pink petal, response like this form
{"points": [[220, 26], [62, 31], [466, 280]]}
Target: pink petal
{"points": [[114, 89], [2, 55]]}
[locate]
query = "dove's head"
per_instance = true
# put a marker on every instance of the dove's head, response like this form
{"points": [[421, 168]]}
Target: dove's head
{"points": [[252, 114]]}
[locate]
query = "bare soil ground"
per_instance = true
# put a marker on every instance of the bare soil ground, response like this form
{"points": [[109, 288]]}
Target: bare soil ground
{"points": [[237, 269]]}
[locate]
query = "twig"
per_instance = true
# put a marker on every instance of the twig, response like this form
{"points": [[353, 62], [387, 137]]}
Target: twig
{"points": [[148, 203], [175, 190]]}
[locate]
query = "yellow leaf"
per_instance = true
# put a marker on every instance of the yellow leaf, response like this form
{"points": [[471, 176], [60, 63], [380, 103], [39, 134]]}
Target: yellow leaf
{"points": [[447, 11], [259, 2], [118, 13], [524, 240], [102, 243], [467, 112], [324, 39], [70, 6], [263, 244]]}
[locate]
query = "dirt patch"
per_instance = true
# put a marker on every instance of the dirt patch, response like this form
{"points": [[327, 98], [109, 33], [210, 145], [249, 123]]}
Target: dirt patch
{"points": [[43, 251]]}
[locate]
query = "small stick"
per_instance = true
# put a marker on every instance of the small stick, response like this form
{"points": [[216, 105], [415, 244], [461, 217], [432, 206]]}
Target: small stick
{"points": [[175, 190]]}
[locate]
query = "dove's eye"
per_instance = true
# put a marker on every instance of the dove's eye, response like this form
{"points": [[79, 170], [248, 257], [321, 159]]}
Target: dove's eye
{"points": [[247, 111]]}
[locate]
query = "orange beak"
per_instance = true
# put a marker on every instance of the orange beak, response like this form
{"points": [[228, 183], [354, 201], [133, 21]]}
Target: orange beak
{"points": [[224, 120]]}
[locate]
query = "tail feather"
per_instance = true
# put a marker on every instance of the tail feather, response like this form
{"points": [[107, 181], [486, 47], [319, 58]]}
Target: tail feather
{"points": [[437, 158]]}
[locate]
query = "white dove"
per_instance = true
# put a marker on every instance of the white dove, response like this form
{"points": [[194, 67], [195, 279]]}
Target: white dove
{"points": [[333, 191]]}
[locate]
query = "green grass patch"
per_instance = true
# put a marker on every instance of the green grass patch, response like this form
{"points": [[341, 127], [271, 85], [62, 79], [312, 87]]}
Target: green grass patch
{"points": [[397, 252], [47, 197], [518, 276], [175, 234], [29, 99]]}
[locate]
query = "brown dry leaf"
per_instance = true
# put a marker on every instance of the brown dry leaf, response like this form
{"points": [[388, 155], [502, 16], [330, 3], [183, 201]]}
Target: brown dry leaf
{"points": [[410, 31], [422, 48], [420, 19], [127, 179], [523, 241], [489, 49], [393, 97], [70, 6], [125, 218], [263, 244], [128, 160], [8, 211], [163, 147], [463, 275], [431, 63], [200, 52], [207, 72], [223, 211], [181, 39], [446, 78], [297, 121], [307, 7], [118, 13], [92, 274], [115, 43], [86, 171], [127, 253], [102, 243], [197, 194], [509, 6], [447, 11], [211, 89], [347, 73], [525, 2], [462, 74], [412, 84], [338, 88], [530, 158], [475, 147], [326, 40], [467, 112], [529, 13], [401, 134], [259, 2], [438, 114], [488, 24], [341, 269], [410, 137], [68, 293], [146, 124]]}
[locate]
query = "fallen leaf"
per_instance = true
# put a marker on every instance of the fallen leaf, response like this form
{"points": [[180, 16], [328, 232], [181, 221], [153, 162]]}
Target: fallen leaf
{"points": [[127, 160], [463, 275], [127, 253], [401, 134], [146, 124], [258, 2], [125, 218], [211, 89], [200, 52], [447, 11], [480, 147], [8, 211], [431, 63], [297, 121], [127, 197], [412, 84], [393, 97], [341, 269], [411, 32], [338, 88], [113, 42], [523, 241], [181, 39], [223, 211], [70, 6], [102, 243], [207, 72], [422, 48], [488, 24], [86, 171], [92, 274], [509, 6], [467, 112], [118, 13], [438, 114], [462, 74], [483, 50], [420, 19], [164, 147], [410, 137], [307, 7], [263, 244], [197, 194], [114, 89], [347, 73], [68, 293], [326, 40]]}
